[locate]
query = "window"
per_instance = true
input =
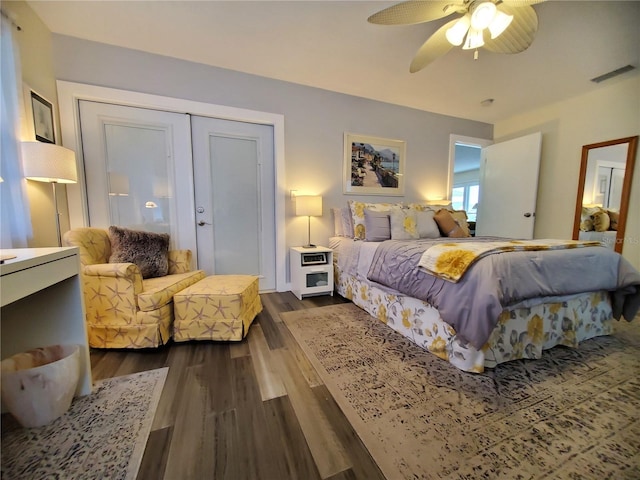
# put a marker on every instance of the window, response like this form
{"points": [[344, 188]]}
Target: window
{"points": [[465, 197]]}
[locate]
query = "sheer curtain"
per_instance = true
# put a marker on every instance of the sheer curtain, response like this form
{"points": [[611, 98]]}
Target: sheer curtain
{"points": [[15, 220]]}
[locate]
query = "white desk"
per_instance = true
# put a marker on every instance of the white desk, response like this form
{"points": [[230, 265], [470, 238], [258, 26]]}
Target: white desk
{"points": [[42, 304]]}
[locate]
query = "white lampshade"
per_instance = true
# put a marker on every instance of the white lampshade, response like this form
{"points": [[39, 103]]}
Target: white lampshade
{"points": [[455, 35], [309, 205], [474, 39], [482, 15], [499, 24], [48, 162]]}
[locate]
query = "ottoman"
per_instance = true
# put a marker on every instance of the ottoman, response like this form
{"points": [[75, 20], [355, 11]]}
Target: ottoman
{"points": [[219, 307]]}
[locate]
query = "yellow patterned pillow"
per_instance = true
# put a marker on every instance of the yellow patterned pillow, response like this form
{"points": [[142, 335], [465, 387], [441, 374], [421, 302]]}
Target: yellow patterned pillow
{"points": [[404, 224], [357, 212]]}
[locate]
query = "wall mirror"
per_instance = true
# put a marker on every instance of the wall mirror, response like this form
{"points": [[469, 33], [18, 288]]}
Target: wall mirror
{"points": [[603, 191]]}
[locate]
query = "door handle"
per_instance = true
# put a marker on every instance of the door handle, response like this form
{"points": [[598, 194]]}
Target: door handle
{"points": [[202, 223], [527, 214]]}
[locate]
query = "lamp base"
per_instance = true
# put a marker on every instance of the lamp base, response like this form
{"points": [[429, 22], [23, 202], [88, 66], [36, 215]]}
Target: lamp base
{"points": [[309, 246]]}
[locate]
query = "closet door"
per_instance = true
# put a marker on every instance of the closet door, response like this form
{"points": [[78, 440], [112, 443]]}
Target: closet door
{"points": [[235, 198], [138, 170]]}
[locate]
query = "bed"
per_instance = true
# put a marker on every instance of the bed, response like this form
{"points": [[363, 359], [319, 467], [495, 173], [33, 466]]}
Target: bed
{"points": [[383, 277]]}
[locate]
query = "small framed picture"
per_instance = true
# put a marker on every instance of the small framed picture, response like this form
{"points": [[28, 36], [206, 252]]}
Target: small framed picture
{"points": [[42, 118]]}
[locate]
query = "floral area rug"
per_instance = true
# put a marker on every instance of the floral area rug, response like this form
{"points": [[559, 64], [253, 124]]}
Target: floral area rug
{"points": [[102, 436], [573, 414]]}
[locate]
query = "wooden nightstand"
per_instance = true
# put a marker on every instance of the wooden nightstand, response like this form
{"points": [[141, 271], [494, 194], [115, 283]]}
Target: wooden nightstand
{"points": [[311, 271]]}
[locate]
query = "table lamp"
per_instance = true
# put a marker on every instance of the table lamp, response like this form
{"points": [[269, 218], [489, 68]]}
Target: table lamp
{"points": [[309, 206]]}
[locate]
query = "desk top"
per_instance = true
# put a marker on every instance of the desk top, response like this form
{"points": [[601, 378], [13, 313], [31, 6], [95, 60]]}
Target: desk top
{"points": [[32, 257]]}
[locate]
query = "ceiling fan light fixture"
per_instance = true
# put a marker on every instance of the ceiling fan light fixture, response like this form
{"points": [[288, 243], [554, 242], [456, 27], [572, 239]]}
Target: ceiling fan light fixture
{"points": [[474, 39], [499, 24], [482, 15], [455, 35]]}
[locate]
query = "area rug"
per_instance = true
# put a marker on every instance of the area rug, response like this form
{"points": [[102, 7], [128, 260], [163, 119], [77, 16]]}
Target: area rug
{"points": [[573, 414], [102, 436]]}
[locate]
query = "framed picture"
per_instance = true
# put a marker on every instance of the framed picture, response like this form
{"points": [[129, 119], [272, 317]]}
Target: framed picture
{"points": [[42, 118], [373, 166]]}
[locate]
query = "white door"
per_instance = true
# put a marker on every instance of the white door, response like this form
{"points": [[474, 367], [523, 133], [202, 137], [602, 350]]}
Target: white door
{"points": [[235, 198], [509, 188], [138, 170]]}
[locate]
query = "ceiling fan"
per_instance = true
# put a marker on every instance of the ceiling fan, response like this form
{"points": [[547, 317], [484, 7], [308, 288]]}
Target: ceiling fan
{"points": [[500, 26]]}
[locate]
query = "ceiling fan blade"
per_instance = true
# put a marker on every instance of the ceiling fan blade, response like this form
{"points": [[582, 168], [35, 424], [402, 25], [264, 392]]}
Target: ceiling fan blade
{"points": [[412, 12], [436, 46], [518, 3], [519, 34]]}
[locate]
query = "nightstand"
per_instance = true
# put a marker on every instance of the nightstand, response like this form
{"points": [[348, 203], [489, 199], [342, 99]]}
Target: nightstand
{"points": [[311, 271]]}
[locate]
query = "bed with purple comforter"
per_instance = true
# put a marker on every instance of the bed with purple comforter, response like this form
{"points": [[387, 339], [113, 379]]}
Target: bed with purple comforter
{"points": [[506, 306]]}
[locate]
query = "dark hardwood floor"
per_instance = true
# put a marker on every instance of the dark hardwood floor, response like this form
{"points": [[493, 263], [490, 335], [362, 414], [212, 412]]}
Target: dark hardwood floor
{"points": [[253, 410]]}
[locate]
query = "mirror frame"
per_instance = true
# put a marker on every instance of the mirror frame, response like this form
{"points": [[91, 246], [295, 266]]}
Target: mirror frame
{"points": [[632, 148]]}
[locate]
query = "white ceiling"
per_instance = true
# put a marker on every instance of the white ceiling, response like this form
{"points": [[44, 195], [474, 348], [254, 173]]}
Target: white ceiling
{"points": [[330, 45]]}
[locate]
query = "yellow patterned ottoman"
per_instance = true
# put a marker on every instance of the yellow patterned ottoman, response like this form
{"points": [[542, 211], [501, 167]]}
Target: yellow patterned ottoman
{"points": [[220, 307]]}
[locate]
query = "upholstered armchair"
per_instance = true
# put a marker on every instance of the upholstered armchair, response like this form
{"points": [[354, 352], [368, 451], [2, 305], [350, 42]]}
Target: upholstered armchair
{"points": [[123, 310]]}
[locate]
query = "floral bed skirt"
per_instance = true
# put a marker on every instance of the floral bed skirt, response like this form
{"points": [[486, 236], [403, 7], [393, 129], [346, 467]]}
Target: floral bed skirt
{"points": [[521, 332]]}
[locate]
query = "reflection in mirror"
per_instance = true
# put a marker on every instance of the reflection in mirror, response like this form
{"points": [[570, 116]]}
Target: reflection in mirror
{"points": [[603, 191]]}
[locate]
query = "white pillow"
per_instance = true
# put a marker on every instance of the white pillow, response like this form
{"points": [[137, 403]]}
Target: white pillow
{"points": [[427, 226], [404, 224], [347, 221]]}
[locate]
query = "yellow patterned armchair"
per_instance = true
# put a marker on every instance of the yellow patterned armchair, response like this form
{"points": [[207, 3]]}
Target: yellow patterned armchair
{"points": [[123, 310]]}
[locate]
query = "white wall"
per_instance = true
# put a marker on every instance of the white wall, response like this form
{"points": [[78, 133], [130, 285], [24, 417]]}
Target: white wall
{"points": [[315, 121], [613, 111]]}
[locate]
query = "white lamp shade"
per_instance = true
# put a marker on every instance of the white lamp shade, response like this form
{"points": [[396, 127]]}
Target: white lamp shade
{"points": [[48, 162], [455, 35], [309, 205], [499, 24], [482, 15], [474, 39]]}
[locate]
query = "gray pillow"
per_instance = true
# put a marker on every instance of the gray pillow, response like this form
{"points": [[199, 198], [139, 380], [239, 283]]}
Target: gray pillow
{"points": [[149, 251], [376, 225]]}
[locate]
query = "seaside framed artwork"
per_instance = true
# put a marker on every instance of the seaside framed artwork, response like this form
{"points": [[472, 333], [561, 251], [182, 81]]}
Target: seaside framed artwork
{"points": [[373, 165], [43, 124]]}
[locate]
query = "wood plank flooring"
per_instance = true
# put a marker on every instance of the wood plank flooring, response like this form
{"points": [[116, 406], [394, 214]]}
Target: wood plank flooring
{"points": [[253, 410]]}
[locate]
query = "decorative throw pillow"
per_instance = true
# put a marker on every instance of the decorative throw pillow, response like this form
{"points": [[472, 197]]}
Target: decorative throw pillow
{"points": [[357, 213], [601, 221], [149, 251], [377, 226], [427, 226], [460, 216], [347, 221], [447, 225], [404, 224], [586, 222], [338, 230]]}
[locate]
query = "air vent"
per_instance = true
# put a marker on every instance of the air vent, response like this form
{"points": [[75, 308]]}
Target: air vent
{"points": [[613, 73]]}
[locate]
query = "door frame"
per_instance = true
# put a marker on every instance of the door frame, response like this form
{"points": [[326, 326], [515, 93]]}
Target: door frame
{"points": [[471, 141], [70, 93]]}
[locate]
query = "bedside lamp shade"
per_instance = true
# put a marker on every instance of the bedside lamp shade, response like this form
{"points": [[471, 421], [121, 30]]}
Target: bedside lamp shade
{"points": [[309, 206], [51, 163]]}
